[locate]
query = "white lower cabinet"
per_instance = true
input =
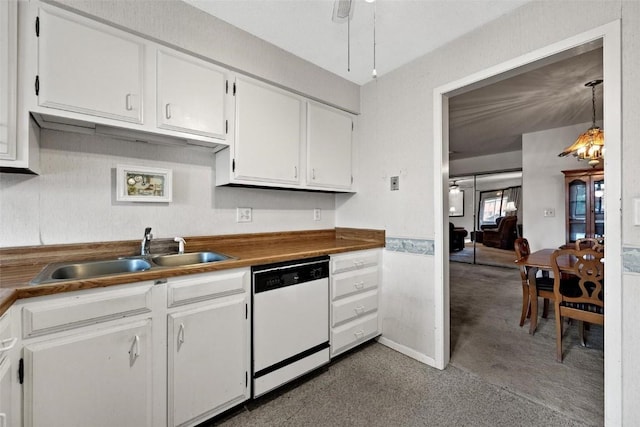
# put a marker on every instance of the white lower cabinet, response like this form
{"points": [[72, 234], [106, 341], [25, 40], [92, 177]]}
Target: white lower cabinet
{"points": [[7, 343], [355, 278], [5, 392], [87, 357], [173, 352], [95, 378], [208, 347]]}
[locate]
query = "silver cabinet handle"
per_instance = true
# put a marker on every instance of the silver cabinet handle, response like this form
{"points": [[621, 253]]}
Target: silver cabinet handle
{"points": [[313, 174], [359, 285], [295, 172], [180, 335], [359, 334], [134, 351], [129, 105], [359, 309], [167, 111]]}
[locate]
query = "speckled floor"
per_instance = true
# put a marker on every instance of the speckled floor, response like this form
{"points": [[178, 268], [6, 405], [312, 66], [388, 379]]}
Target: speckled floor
{"points": [[492, 379], [376, 386]]}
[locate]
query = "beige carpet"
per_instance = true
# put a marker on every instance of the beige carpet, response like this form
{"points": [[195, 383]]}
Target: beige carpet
{"points": [[484, 255], [487, 341]]}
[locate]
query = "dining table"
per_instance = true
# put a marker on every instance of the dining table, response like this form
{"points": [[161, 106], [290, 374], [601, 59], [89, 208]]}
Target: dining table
{"points": [[541, 261]]}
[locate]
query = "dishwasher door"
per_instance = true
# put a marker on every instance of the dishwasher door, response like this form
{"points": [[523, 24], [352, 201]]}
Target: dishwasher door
{"points": [[290, 324]]}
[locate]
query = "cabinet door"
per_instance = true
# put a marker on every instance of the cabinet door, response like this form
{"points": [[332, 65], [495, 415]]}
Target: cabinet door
{"points": [[5, 392], [207, 359], [268, 133], [8, 83], [329, 147], [577, 209], [89, 68], [101, 378], [597, 205], [191, 95]]}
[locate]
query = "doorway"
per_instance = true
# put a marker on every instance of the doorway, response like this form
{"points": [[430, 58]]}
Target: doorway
{"points": [[609, 37]]}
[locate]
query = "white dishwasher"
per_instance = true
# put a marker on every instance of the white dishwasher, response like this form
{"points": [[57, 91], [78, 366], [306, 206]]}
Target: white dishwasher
{"points": [[290, 322]]}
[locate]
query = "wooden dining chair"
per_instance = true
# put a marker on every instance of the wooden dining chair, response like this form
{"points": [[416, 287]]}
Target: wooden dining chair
{"points": [[543, 285], [580, 298], [590, 242]]}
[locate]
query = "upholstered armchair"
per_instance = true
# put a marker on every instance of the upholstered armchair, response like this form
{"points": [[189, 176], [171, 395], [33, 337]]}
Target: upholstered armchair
{"points": [[504, 236], [456, 238], [492, 226]]}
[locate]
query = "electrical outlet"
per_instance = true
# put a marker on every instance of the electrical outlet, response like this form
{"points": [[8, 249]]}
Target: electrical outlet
{"points": [[243, 215], [549, 212], [395, 183], [316, 214]]}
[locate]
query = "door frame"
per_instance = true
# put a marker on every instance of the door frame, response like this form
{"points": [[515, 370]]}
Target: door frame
{"points": [[610, 37]]}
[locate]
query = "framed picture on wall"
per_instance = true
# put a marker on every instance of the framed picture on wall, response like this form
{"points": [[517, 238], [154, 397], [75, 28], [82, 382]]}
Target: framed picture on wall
{"points": [[456, 203], [143, 184]]}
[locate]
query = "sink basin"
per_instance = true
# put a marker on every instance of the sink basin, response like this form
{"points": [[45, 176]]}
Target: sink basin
{"points": [[177, 260], [86, 270]]}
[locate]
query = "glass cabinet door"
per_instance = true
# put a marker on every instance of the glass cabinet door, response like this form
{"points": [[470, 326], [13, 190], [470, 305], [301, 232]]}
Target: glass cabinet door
{"points": [[577, 215], [598, 206]]}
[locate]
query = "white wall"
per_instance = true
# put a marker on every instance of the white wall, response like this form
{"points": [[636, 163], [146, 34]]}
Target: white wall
{"points": [[543, 183], [73, 200], [396, 131]]}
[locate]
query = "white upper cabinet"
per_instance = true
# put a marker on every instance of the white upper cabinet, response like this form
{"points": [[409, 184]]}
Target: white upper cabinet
{"points": [[328, 147], [191, 95], [89, 68], [275, 131], [268, 133], [8, 72]]}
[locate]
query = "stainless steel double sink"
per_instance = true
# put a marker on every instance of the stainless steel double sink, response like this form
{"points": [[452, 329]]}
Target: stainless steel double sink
{"points": [[89, 269]]}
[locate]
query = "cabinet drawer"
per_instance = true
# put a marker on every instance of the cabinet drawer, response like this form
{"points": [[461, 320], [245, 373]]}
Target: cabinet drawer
{"points": [[353, 333], [353, 307], [206, 286], [354, 281], [354, 260], [68, 312]]}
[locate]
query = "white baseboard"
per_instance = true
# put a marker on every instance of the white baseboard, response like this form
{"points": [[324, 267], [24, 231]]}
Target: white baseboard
{"points": [[408, 351]]}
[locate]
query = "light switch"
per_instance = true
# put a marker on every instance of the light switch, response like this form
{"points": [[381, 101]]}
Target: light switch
{"points": [[549, 212], [395, 183]]}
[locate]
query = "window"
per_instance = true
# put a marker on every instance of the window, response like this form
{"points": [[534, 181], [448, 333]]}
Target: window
{"points": [[497, 203]]}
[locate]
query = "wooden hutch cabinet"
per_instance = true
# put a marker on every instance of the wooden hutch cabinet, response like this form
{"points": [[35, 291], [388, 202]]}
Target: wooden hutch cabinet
{"points": [[584, 203]]}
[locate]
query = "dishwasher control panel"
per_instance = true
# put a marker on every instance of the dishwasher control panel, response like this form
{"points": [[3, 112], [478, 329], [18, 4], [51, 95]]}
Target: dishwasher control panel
{"points": [[274, 276]]}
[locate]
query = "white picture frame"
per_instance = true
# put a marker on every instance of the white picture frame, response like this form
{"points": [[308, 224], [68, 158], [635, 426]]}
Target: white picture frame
{"points": [[143, 184]]}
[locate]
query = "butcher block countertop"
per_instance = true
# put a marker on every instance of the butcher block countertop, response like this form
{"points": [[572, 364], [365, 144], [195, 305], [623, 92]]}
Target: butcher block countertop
{"points": [[19, 265]]}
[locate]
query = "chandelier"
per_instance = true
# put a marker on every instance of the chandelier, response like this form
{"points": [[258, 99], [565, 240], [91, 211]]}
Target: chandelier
{"points": [[590, 145]]}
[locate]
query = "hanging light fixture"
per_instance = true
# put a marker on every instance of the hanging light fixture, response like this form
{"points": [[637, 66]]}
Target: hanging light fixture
{"points": [[590, 145], [454, 188]]}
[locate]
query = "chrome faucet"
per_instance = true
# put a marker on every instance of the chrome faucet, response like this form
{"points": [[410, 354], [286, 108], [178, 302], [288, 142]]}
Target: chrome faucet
{"points": [[181, 244], [146, 242]]}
